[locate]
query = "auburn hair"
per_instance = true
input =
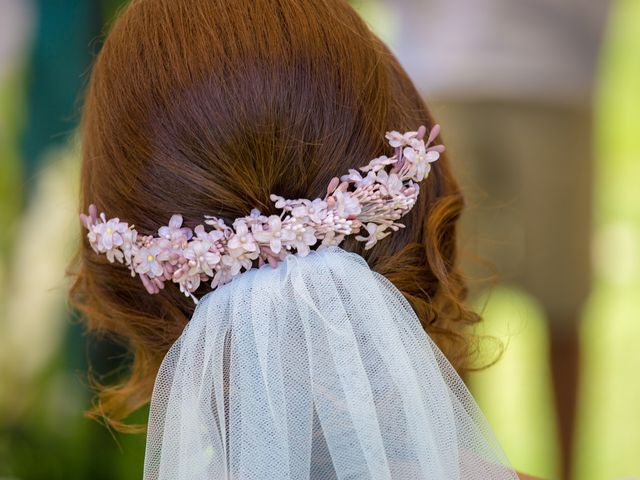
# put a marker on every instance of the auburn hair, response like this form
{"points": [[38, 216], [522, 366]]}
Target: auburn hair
{"points": [[207, 107]]}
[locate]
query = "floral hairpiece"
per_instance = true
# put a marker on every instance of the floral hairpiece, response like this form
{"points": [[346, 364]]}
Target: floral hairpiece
{"points": [[372, 198]]}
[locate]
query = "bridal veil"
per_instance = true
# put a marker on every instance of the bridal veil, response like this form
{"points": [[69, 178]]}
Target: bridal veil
{"points": [[317, 369]]}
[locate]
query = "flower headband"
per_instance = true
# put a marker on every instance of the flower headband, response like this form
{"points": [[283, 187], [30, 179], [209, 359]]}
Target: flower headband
{"points": [[369, 200]]}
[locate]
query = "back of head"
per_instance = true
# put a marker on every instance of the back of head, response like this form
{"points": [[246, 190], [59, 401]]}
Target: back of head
{"points": [[206, 107]]}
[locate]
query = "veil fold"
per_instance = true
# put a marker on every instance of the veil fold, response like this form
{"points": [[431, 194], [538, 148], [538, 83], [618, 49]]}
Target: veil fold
{"points": [[315, 370]]}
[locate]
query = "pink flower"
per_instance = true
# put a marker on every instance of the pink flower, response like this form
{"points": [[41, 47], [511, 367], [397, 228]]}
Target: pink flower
{"points": [[356, 178], [189, 284], [315, 210], [255, 218], [189, 281], [390, 183], [213, 236], [91, 218], [153, 285], [378, 164], [331, 239], [267, 255], [174, 233], [128, 246], [376, 232], [375, 201], [230, 267], [243, 239], [397, 139], [146, 262], [304, 237], [274, 235], [418, 162], [347, 204], [107, 236], [218, 224], [200, 257], [280, 202]]}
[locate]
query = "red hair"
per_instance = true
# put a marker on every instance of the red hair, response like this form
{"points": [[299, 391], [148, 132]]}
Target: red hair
{"points": [[206, 107]]}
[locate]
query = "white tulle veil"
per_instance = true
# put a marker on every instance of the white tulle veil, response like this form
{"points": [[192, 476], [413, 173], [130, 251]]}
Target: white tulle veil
{"points": [[317, 369]]}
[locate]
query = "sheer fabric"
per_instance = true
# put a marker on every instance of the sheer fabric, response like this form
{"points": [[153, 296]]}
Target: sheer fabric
{"points": [[317, 369]]}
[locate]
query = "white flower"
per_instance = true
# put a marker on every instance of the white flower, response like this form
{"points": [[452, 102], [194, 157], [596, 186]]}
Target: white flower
{"points": [[376, 232], [243, 239], [128, 244], [315, 210], [331, 239], [200, 257], [107, 236], [146, 262], [230, 267], [280, 202], [174, 233], [218, 224], [378, 164], [213, 236], [418, 162], [390, 183], [305, 236], [432, 156], [255, 218], [223, 275], [356, 178], [189, 284], [397, 139], [346, 204], [275, 235], [188, 280]]}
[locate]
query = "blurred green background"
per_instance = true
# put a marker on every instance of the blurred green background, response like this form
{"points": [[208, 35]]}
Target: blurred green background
{"points": [[44, 357]]}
